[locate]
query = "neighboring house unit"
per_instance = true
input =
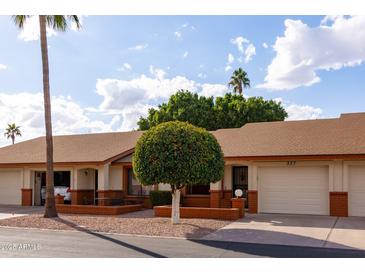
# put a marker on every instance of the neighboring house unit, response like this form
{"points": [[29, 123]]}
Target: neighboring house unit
{"points": [[300, 167]]}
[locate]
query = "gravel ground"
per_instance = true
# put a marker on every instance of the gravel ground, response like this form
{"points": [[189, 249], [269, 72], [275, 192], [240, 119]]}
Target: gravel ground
{"points": [[139, 223]]}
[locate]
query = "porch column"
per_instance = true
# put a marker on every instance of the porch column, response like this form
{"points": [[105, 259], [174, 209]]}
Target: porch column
{"points": [[82, 186], [27, 192], [215, 194], [103, 185]]}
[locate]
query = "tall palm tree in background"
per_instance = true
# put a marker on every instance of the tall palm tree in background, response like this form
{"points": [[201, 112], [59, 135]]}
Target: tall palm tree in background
{"points": [[239, 80], [12, 131], [58, 23]]}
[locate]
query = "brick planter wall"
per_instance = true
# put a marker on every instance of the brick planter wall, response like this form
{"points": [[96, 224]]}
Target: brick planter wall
{"points": [[240, 204], [196, 200], [339, 204], [199, 212], [27, 196], [107, 194], [97, 210], [252, 201], [82, 196]]}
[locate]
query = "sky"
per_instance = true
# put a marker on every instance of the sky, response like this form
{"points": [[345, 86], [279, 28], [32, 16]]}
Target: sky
{"points": [[111, 71]]}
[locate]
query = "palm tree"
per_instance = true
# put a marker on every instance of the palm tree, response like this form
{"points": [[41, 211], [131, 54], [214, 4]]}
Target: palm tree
{"points": [[58, 23], [239, 80], [11, 131]]}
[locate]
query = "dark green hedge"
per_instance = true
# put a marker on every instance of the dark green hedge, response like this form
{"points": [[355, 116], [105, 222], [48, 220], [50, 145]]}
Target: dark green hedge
{"points": [[159, 197]]}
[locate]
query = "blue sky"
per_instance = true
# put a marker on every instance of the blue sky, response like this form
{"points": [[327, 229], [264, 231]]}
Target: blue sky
{"points": [[104, 76]]}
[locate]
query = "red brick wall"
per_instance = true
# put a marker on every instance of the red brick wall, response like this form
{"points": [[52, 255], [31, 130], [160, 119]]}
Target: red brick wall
{"points": [[252, 201], [115, 194], [339, 204], [205, 213], [240, 204], [226, 199], [196, 200], [215, 198], [82, 196], [26, 197], [97, 210]]}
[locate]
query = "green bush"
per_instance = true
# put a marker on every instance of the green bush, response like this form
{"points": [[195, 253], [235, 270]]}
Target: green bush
{"points": [[159, 197], [178, 154]]}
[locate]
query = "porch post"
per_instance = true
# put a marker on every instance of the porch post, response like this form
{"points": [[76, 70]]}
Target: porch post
{"points": [[103, 185], [27, 191]]}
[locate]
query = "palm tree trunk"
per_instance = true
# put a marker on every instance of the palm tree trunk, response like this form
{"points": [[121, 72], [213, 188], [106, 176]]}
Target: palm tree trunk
{"points": [[50, 208], [13, 139]]}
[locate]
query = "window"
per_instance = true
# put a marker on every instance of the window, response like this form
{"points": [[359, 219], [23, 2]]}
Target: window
{"points": [[198, 189], [134, 187]]}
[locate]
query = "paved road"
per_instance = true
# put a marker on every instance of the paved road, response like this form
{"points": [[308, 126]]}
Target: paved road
{"points": [[45, 243]]}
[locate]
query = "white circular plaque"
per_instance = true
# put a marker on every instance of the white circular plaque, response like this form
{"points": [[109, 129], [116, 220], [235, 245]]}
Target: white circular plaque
{"points": [[238, 192]]}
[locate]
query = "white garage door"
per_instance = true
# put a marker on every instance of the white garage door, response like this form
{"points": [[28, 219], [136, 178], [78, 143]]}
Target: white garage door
{"points": [[10, 187], [357, 191], [297, 190]]}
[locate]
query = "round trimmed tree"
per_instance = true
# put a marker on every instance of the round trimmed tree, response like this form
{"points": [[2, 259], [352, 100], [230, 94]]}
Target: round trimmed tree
{"points": [[178, 154]]}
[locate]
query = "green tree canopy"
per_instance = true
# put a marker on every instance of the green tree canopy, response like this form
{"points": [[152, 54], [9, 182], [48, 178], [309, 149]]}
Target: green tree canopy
{"points": [[229, 111], [178, 154]]}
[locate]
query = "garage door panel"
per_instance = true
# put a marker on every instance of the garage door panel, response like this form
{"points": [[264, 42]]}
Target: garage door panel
{"points": [[10, 187], [357, 190], [298, 190]]}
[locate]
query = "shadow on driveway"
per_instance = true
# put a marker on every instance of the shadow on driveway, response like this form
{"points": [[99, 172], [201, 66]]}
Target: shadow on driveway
{"points": [[282, 251], [107, 238]]}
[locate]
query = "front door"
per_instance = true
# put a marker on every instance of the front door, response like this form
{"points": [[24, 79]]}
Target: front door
{"points": [[240, 180]]}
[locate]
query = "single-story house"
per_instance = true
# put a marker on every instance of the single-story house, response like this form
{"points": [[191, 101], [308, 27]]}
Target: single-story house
{"points": [[300, 167]]}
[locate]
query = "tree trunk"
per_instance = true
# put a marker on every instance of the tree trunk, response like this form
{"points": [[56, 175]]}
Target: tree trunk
{"points": [[240, 89], [175, 211], [50, 207], [13, 139]]}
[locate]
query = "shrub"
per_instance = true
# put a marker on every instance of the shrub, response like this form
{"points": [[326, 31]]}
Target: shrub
{"points": [[159, 197], [178, 154]]}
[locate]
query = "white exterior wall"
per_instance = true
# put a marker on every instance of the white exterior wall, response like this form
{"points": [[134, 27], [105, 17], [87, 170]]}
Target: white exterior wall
{"points": [[164, 187], [85, 178], [116, 178]]}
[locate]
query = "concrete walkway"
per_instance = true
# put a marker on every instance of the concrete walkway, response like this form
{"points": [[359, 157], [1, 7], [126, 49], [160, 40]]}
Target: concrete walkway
{"points": [[295, 230]]}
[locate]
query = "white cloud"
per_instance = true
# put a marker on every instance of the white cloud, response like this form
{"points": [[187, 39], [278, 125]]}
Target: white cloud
{"points": [[213, 90], [303, 50], [157, 72], [227, 68], [132, 98], [264, 45], [186, 53], [178, 34], [299, 112], [3, 67], [125, 66], [138, 47], [250, 51], [239, 42], [230, 58], [202, 75], [245, 47], [26, 110], [303, 112]]}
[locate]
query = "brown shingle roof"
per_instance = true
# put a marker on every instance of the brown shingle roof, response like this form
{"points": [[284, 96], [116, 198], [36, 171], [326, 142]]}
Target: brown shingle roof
{"points": [[344, 135], [96, 147], [340, 136]]}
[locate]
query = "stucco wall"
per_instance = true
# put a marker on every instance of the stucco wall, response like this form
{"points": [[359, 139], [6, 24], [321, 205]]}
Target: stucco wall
{"points": [[116, 177]]}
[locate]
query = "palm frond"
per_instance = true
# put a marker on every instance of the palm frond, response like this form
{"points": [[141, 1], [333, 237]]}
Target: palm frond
{"points": [[20, 20]]}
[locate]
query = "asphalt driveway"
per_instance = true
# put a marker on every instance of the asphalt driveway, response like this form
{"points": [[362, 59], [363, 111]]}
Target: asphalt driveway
{"points": [[295, 230]]}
